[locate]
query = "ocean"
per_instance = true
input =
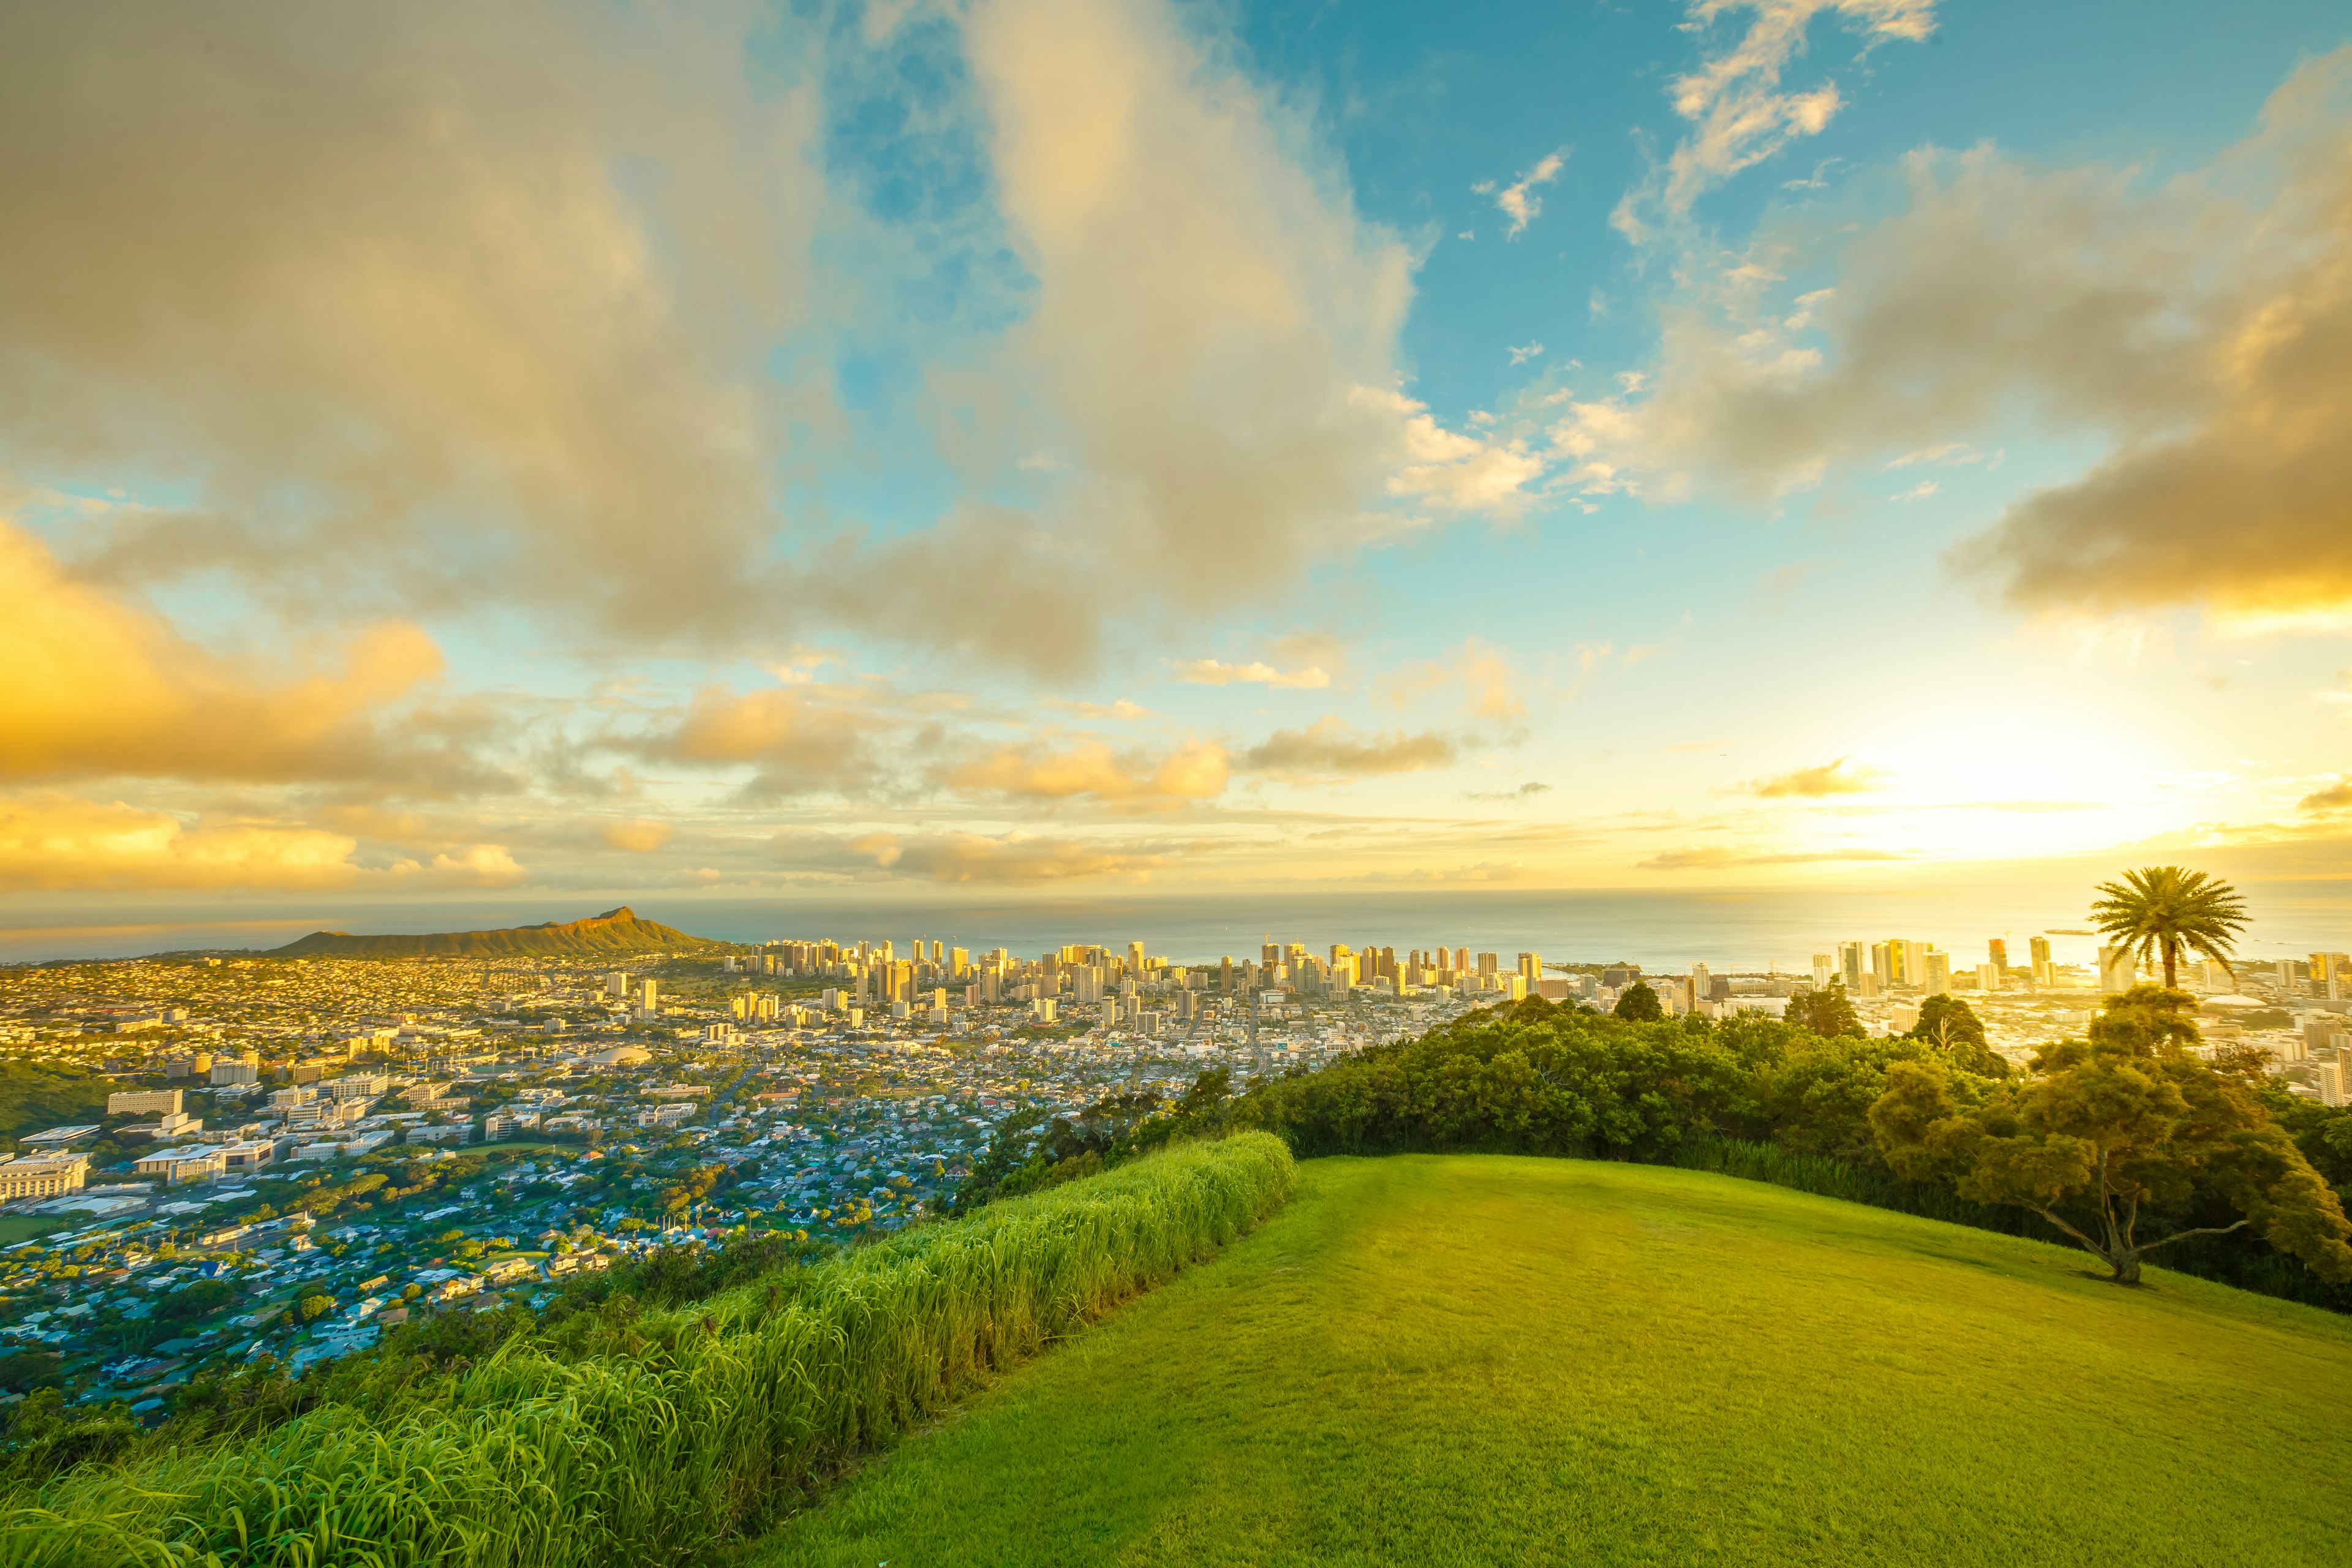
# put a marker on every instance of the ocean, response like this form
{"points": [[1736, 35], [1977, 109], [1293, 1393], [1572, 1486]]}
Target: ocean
{"points": [[1660, 930]]}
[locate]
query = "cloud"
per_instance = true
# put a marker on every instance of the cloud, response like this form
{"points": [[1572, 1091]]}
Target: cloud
{"points": [[1479, 871], [1516, 200], [638, 837], [2337, 796], [427, 303], [1331, 749], [1777, 586], [1716, 860], [99, 685], [1814, 783], [414, 310], [1489, 686], [1216, 672], [1521, 355], [1012, 859], [1526, 790], [2201, 329], [1209, 308], [1740, 112], [57, 842], [800, 739], [1453, 471], [1120, 708], [1195, 772]]}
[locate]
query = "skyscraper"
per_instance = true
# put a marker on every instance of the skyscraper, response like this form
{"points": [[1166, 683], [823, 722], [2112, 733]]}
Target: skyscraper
{"points": [[2037, 950], [1934, 972], [1996, 949], [1824, 969], [1853, 958]]}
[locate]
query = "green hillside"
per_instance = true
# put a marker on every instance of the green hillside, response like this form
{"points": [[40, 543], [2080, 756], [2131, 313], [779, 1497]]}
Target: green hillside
{"points": [[1477, 1360], [616, 932]]}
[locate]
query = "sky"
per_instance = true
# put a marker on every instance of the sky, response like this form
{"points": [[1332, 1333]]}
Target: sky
{"points": [[545, 454]]}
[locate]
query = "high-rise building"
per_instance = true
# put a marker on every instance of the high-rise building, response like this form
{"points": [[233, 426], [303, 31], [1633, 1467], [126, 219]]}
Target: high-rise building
{"points": [[1531, 966], [2118, 970], [2330, 974], [1824, 970], [1702, 984], [1461, 960], [649, 995], [2037, 950], [1934, 972], [1882, 966], [1996, 949], [1853, 959]]}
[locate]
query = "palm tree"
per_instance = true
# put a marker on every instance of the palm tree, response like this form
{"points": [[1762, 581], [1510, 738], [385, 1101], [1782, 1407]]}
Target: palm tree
{"points": [[2164, 909]]}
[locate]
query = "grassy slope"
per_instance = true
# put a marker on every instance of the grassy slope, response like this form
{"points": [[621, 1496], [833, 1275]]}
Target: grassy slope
{"points": [[1489, 1360]]}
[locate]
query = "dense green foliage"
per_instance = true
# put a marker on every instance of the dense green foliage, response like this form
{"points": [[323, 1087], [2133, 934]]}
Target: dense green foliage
{"points": [[1640, 1005], [1458, 1361], [1533, 1078], [1828, 1013], [648, 1438], [36, 1096], [2111, 1127]]}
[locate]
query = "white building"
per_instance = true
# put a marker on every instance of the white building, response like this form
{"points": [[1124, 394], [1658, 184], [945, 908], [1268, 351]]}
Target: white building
{"points": [[42, 1177], [192, 1162]]}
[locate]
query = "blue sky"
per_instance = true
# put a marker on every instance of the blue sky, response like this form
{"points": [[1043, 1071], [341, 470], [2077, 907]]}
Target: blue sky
{"points": [[1045, 447]]}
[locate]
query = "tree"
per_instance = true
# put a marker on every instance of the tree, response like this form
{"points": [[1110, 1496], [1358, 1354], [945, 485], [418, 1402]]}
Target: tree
{"points": [[2163, 909], [1637, 1003], [1952, 1027], [1828, 1014], [2126, 1120]]}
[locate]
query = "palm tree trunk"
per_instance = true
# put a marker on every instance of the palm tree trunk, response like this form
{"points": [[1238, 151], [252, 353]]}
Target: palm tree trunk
{"points": [[2172, 964]]}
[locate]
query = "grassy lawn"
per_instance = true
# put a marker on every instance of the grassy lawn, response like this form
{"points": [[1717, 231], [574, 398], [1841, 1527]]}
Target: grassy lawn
{"points": [[1512, 1361], [16, 1227]]}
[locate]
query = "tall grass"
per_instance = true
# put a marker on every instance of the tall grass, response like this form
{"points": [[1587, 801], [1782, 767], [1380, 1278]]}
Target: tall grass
{"points": [[723, 1414]]}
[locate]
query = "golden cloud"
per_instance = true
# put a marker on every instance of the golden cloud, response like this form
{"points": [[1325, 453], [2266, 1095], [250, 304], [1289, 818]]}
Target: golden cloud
{"points": [[1195, 772], [1330, 748], [57, 842], [1012, 859], [98, 685], [639, 837], [2202, 329], [370, 273], [1815, 783]]}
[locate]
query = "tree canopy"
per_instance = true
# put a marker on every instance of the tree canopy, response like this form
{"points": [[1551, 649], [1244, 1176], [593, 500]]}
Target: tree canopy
{"points": [[1952, 1027], [1638, 1004], [2109, 1127], [1828, 1014], [2160, 909]]}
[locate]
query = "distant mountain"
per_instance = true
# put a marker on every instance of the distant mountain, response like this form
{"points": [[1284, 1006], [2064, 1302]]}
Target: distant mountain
{"points": [[616, 932]]}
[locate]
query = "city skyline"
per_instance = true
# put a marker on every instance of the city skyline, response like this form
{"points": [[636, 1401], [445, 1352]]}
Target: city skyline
{"points": [[1026, 452]]}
